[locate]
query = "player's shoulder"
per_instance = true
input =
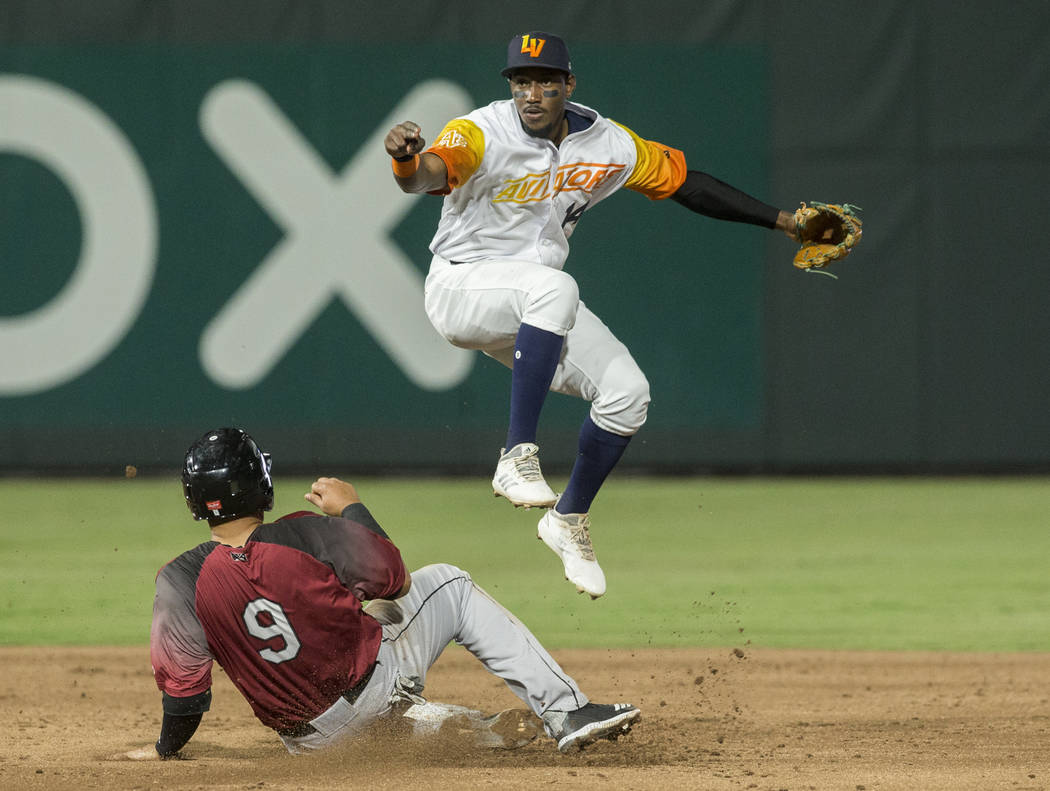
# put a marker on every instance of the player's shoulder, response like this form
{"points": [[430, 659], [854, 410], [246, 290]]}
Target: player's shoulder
{"points": [[598, 126], [585, 110], [312, 532], [611, 126], [190, 559], [495, 109], [182, 572], [299, 515], [297, 530], [493, 116]]}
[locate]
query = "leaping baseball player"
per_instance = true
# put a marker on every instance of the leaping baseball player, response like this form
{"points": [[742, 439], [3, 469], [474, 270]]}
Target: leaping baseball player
{"points": [[517, 176]]}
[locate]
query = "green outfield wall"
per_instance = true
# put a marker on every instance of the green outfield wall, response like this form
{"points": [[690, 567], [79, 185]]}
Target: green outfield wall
{"points": [[198, 227]]}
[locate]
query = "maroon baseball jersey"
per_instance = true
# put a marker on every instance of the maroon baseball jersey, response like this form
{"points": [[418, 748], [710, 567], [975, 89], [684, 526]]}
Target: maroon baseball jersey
{"points": [[281, 615]]}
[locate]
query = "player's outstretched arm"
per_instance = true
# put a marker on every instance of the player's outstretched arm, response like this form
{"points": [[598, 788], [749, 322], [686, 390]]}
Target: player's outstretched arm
{"points": [[414, 171], [704, 194]]}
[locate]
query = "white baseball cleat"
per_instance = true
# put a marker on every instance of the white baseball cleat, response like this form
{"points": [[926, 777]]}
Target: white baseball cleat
{"points": [[518, 478], [507, 730], [568, 536]]}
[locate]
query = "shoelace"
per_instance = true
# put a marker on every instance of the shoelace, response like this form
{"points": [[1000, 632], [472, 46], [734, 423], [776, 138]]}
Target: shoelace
{"points": [[407, 690], [581, 538], [528, 467]]}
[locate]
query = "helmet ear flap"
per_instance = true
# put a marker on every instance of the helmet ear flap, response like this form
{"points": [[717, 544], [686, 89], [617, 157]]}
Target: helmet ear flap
{"points": [[226, 475], [193, 499]]}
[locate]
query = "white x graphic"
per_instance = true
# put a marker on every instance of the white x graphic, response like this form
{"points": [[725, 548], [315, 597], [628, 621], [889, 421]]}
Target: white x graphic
{"points": [[337, 240]]}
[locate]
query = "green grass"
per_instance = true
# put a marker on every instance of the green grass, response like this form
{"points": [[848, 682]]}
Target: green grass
{"points": [[865, 563]]}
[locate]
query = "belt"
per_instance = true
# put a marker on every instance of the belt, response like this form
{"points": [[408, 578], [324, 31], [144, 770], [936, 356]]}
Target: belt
{"points": [[351, 695]]}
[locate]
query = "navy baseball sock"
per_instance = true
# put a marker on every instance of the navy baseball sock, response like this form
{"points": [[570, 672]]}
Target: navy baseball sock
{"points": [[536, 355], [598, 453]]}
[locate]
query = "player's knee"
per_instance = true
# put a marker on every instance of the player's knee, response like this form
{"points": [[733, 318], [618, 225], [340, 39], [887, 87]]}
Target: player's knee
{"points": [[623, 407], [635, 404], [553, 301], [451, 579], [444, 578], [445, 571]]}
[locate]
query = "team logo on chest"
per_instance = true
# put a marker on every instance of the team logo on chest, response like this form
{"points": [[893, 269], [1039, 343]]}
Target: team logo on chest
{"points": [[575, 177]]}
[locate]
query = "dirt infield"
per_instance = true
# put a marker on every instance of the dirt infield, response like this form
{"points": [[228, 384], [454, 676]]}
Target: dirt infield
{"points": [[713, 719]]}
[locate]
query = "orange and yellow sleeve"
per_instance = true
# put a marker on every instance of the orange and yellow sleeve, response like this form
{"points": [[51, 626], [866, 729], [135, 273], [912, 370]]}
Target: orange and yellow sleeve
{"points": [[461, 145], [659, 171]]}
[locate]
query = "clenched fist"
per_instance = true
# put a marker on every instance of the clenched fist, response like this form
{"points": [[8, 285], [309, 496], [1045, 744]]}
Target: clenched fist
{"points": [[404, 140], [332, 495]]}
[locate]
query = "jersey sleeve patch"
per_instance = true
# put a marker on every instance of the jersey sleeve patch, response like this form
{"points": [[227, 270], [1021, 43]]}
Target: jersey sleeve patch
{"points": [[659, 171], [461, 146]]}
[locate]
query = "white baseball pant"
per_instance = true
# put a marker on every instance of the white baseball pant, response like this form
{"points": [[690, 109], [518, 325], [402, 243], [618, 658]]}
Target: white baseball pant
{"points": [[482, 305]]}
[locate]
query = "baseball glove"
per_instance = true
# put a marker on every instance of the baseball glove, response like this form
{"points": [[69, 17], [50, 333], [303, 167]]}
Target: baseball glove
{"points": [[826, 232]]}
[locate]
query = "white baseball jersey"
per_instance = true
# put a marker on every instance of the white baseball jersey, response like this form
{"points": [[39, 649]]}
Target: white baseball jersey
{"points": [[512, 196]]}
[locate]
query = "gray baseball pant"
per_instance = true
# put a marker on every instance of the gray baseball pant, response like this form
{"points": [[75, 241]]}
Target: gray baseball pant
{"points": [[445, 604]]}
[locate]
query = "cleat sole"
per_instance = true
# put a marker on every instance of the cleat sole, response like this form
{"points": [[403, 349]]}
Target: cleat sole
{"points": [[612, 734], [520, 504]]}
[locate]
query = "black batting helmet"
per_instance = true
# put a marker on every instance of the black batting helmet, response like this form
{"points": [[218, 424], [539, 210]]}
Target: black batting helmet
{"points": [[226, 476]]}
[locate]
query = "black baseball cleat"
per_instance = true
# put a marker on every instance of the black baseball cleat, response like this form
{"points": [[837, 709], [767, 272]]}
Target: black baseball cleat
{"points": [[590, 723]]}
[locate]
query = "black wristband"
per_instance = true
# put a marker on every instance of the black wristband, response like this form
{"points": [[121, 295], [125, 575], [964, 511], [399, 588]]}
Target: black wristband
{"points": [[405, 158], [181, 707]]}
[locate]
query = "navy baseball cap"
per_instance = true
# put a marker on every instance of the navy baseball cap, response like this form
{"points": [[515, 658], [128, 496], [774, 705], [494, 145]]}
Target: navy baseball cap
{"points": [[537, 49]]}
